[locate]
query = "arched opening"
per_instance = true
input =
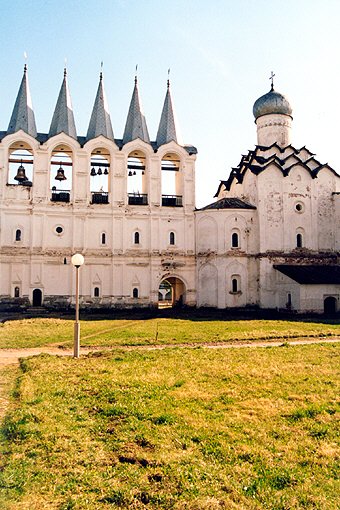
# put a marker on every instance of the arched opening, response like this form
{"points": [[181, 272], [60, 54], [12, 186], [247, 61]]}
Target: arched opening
{"points": [[37, 297], [137, 179], [329, 305], [171, 293], [172, 238], [172, 190], [235, 243], [99, 176], [20, 164], [136, 238], [16, 292], [61, 174], [135, 293], [103, 238], [18, 234], [235, 283], [299, 241], [96, 292]]}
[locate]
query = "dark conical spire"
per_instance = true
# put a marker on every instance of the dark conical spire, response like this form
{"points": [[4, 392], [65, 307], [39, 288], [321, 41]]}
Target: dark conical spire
{"points": [[135, 126], [167, 131], [23, 114], [63, 120], [100, 123]]}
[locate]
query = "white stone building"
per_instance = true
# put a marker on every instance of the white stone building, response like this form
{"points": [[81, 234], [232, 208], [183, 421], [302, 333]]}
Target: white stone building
{"points": [[128, 205]]}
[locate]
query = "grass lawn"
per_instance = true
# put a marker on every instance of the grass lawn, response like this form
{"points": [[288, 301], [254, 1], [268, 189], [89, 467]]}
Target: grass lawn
{"points": [[183, 429], [38, 332]]}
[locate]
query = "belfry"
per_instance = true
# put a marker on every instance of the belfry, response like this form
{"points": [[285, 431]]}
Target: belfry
{"points": [[270, 240]]}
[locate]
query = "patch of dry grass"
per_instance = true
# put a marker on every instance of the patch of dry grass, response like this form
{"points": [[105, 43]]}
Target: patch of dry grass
{"points": [[175, 429]]}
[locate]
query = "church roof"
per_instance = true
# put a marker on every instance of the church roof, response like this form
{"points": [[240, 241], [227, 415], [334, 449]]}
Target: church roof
{"points": [[23, 114], [311, 274], [285, 159], [135, 126], [272, 102], [167, 131], [229, 203], [100, 122], [63, 119]]}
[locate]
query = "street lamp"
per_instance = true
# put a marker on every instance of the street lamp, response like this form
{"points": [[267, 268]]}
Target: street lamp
{"points": [[77, 260]]}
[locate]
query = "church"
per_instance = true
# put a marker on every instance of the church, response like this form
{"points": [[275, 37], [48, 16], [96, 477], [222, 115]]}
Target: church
{"points": [[270, 239]]}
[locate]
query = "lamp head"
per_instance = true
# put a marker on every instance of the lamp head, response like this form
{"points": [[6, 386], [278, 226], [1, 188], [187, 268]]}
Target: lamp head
{"points": [[77, 260]]}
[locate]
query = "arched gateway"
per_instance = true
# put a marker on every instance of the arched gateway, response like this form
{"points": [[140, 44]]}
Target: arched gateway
{"points": [[171, 292]]}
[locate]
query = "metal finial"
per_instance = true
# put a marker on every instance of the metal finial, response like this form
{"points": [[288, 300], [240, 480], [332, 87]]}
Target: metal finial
{"points": [[101, 71], [65, 67], [168, 82], [25, 65], [136, 74], [272, 79]]}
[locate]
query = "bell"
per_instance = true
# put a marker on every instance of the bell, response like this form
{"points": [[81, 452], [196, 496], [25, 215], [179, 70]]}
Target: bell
{"points": [[60, 174], [130, 173], [21, 176], [99, 171], [143, 172], [106, 172], [93, 171], [134, 172]]}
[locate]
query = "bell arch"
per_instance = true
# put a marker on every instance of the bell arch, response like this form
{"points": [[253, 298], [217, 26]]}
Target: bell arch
{"points": [[61, 173], [171, 180], [100, 176], [137, 188], [20, 163]]}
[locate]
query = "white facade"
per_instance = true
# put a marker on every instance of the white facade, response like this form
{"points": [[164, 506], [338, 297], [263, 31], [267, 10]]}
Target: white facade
{"points": [[128, 205]]}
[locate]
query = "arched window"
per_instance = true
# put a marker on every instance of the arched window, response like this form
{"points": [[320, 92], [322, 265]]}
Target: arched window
{"points": [[235, 243], [96, 292], [299, 241], [18, 235], [136, 238], [65, 261], [16, 292], [103, 238], [135, 292], [234, 285], [172, 238]]}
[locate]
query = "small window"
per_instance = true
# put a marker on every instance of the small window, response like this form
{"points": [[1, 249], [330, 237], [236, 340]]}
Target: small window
{"points": [[289, 300], [65, 261], [172, 238], [235, 240], [96, 292], [136, 238], [103, 238], [16, 292], [135, 292], [59, 230], [299, 207], [18, 235], [234, 285], [299, 241]]}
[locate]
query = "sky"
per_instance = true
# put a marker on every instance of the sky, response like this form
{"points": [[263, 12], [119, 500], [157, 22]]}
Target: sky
{"points": [[220, 54]]}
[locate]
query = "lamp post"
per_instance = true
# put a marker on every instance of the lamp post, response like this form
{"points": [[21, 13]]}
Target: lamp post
{"points": [[77, 261]]}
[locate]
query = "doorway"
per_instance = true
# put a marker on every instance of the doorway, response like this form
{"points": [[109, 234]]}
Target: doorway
{"points": [[37, 297], [171, 293]]}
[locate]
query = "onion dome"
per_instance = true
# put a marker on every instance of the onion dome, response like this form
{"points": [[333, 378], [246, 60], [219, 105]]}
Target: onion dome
{"points": [[272, 102]]}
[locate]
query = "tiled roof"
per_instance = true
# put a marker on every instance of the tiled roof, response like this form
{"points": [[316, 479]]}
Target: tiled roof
{"points": [[167, 131], [100, 122], [135, 126], [23, 115], [311, 275], [259, 159], [63, 119], [229, 203]]}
